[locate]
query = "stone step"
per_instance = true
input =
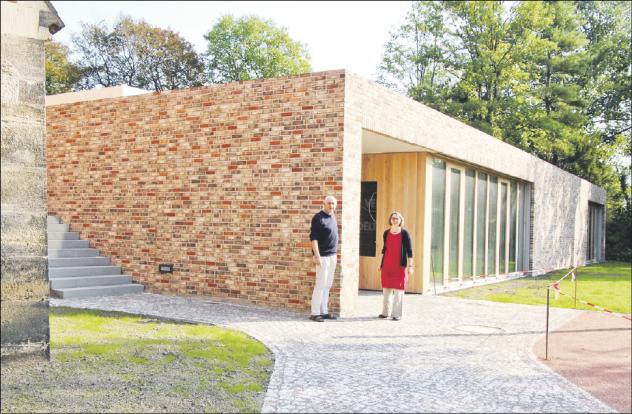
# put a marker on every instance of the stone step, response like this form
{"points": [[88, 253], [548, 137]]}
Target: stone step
{"points": [[70, 235], [112, 290], [67, 244], [57, 228], [56, 272], [103, 280], [78, 261], [56, 253], [76, 271]]}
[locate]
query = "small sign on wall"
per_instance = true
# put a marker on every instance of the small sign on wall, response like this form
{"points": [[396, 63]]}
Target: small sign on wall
{"points": [[165, 268]]}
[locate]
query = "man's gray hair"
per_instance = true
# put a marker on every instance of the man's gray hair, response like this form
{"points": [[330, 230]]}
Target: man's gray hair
{"points": [[331, 198]]}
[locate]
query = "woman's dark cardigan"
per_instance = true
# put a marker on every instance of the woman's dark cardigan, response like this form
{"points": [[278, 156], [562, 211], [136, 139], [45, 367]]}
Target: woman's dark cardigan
{"points": [[405, 252]]}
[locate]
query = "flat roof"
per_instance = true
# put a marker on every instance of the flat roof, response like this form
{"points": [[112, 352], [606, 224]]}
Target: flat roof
{"points": [[94, 94]]}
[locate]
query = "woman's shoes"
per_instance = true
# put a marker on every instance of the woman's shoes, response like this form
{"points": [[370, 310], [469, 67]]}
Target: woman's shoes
{"points": [[395, 318], [382, 316]]}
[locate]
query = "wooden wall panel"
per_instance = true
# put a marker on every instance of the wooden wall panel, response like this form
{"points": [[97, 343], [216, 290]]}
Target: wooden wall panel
{"points": [[400, 186]]}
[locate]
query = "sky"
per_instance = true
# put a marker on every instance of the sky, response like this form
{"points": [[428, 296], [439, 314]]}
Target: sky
{"points": [[338, 35]]}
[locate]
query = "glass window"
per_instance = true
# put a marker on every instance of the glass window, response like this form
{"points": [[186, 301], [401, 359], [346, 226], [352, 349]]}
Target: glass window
{"points": [[599, 233], [522, 214], [595, 231], [455, 217], [591, 230], [479, 223], [502, 232], [491, 235], [438, 221], [481, 220], [468, 231], [512, 227]]}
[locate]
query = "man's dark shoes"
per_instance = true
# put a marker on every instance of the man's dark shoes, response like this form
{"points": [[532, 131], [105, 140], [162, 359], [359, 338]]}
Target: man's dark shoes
{"points": [[382, 316], [328, 316], [316, 318]]}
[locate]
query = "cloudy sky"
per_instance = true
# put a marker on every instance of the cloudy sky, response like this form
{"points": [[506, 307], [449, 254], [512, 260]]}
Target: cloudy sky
{"points": [[338, 35]]}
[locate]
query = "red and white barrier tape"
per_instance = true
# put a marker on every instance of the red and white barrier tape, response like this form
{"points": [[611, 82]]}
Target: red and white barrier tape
{"points": [[571, 272], [558, 291]]}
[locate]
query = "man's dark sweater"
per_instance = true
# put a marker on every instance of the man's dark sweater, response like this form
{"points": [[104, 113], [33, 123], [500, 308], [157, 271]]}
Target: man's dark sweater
{"points": [[325, 230]]}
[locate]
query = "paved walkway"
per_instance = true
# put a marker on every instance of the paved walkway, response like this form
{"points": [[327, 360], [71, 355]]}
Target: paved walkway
{"points": [[445, 355]]}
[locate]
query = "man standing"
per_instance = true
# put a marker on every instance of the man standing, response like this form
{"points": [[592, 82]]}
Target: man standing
{"points": [[324, 238]]}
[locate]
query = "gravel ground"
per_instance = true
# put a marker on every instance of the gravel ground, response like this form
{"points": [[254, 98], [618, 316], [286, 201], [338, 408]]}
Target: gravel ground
{"points": [[593, 351]]}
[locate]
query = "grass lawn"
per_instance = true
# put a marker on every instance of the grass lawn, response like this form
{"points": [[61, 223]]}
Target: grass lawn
{"points": [[115, 362], [604, 284]]}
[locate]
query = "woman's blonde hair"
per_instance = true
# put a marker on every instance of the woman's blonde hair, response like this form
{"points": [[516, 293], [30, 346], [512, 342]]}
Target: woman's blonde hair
{"points": [[399, 215]]}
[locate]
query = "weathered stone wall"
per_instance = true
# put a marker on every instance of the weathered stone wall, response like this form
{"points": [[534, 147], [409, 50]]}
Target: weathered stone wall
{"points": [[221, 181], [24, 281], [560, 199]]}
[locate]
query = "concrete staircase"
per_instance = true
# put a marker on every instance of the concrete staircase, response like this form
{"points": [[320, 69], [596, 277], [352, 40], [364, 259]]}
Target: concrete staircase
{"points": [[76, 271]]}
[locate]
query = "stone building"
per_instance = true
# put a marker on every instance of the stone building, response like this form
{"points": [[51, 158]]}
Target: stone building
{"points": [[26, 25], [222, 182]]}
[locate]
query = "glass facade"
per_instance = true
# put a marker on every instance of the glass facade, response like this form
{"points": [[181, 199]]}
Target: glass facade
{"points": [[478, 224], [455, 218], [438, 221], [468, 230], [522, 209], [492, 202], [513, 210], [481, 223], [595, 232], [502, 232]]}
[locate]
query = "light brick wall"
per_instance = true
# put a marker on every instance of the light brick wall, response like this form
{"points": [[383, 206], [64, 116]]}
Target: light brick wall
{"points": [[221, 181], [560, 198]]}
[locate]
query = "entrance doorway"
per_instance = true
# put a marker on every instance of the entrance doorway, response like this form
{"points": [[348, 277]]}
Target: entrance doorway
{"points": [[391, 181]]}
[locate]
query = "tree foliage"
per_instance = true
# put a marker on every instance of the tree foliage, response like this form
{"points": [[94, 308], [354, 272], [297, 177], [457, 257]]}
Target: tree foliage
{"points": [[252, 48], [136, 54], [61, 74], [413, 60], [552, 78]]}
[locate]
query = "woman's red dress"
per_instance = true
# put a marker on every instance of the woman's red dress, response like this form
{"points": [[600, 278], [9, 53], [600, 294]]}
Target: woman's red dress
{"points": [[393, 273]]}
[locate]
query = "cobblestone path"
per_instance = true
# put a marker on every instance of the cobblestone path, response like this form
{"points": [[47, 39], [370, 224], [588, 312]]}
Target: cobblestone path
{"points": [[445, 355]]}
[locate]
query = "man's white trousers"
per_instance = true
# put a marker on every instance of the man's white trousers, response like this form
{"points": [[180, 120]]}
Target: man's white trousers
{"points": [[324, 280]]}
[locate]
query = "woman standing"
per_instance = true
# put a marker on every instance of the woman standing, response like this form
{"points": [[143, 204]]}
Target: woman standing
{"points": [[395, 266]]}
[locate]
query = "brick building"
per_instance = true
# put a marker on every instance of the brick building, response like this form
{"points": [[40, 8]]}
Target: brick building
{"points": [[222, 181]]}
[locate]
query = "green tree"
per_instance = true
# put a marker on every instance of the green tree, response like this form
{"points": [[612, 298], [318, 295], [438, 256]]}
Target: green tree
{"points": [[555, 126], [413, 60], [61, 74], [137, 54], [252, 48], [550, 77], [606, 88], [608, 83], [486, 39]]}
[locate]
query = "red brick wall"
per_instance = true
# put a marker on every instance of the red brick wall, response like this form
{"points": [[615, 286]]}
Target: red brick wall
{"points": [[222, 181]]}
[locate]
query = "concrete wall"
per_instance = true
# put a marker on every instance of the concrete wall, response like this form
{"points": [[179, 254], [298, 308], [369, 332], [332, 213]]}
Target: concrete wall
{"points": [[23, 192], [560, 198], [221, 181]]}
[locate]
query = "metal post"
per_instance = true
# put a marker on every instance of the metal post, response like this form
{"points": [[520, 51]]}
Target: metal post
{"points": [[434, 282], [575, 282], [546, 346]]}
